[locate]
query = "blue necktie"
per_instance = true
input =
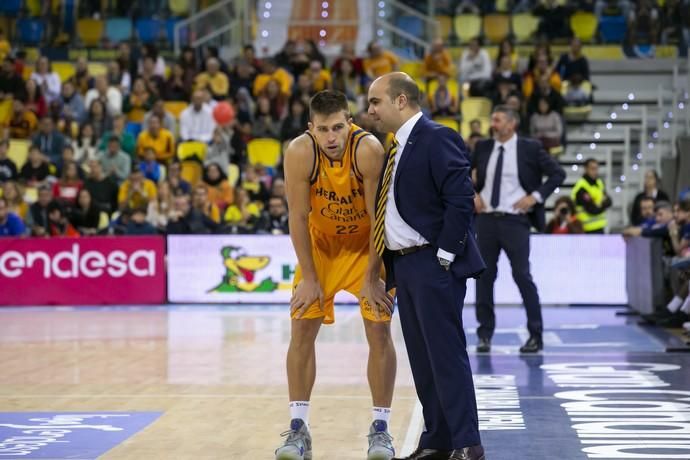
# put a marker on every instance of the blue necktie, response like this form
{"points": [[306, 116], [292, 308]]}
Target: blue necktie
{"points": [[496, 189]]}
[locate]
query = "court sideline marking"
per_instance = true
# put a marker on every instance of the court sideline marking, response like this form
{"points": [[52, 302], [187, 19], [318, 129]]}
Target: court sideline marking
{"points": [[413, 430]]}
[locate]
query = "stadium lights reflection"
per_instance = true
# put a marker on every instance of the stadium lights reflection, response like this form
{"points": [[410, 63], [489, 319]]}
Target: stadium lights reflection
{"points": [[324, 5], [609, 125], [557, 191], [618, 189], [625, 106], [579, 157], [264, 33], [592, 146], [575, 168], [650, 146], [623, 178], [382, 4], [639, 155], [324, 14], [382, 14], [635, 167], [666, 125], [614, 115], [268, 5], [322, 33], [681, 105], [655, 134], [631, 96], [379, 32], [267, 14], [597, 135]]}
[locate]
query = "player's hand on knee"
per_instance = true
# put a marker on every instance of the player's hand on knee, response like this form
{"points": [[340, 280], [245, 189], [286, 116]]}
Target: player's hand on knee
{"points": [[306, 293], [374, 292]]}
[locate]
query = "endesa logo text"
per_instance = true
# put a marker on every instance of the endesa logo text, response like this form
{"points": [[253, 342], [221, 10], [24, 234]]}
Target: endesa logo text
{"points": [[84, 271], [75, 263]]}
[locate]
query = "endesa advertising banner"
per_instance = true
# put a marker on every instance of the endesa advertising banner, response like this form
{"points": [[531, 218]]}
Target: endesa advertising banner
{"points": [[82, 271]]}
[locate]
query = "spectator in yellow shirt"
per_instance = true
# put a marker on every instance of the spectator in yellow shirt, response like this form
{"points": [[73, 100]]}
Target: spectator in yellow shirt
{"points": [[137, 191], [321, 77], [271, 71], [159, 139], [214, 80], [23, 122], [438, 61], [380, 61], [541, 68]]}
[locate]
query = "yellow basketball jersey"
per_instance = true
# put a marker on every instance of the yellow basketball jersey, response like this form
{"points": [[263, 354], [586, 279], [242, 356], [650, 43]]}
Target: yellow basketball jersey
{"points": [[337, 191]]}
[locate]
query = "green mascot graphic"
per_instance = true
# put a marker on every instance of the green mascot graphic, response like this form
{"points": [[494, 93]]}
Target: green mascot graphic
{"points": [[241, 270]]}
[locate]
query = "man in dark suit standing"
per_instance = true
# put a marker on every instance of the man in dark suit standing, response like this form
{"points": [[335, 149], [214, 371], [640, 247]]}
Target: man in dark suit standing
{"points": [[425, 233], [508, 171]]}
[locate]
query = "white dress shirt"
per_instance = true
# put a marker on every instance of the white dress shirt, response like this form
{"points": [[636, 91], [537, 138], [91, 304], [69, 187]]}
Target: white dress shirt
{"points": [[197, 126], [511, 190], [397, 233]]}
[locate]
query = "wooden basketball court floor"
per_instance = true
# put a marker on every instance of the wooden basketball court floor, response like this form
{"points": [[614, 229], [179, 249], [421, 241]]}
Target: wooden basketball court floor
{"points": [[212, 383]]}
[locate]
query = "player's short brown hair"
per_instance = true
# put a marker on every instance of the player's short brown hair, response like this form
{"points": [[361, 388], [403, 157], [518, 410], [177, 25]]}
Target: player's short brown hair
{"points": [[328, 102]]}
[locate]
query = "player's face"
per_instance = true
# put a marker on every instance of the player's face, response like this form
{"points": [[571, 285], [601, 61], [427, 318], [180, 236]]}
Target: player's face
{"points": [[331, 132]]}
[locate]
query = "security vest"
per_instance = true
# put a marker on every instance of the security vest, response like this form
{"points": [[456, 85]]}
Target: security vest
{"points": [[590, 222]]}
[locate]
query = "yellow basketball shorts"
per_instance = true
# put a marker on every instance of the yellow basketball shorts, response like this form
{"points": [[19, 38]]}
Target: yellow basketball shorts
{"points": [[341, 263]]}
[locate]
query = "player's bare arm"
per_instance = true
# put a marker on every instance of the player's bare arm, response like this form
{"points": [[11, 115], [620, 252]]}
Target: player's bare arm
{"points": [[370, 159], [299, 158]]}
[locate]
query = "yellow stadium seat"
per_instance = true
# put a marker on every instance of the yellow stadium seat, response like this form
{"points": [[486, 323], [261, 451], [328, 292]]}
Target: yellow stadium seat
{"points": [[30, 195], [445, 26], [502, 6], [179, 7], [484, 122], [452, 123], [496, 27], [28, 70], [90, 31], [175, 107], [187, 150], [467, 26], [524, 26], [264, 151], [233, 174], [475, 107], [584, 25], [453, 88], [64, 69], [97, 68], [103, 221], [5, 110], [191, 171], [414, 69], [34, 7], [580, 112], [19, 151]]}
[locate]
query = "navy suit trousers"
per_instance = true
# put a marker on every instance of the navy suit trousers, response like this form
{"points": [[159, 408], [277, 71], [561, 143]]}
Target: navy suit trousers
{"points": [[430, 302]]}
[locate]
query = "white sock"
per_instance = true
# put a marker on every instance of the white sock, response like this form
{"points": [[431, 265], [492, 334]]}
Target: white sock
{"points": [[685, 308], [381, 413], [674, 304], [300, 409]]}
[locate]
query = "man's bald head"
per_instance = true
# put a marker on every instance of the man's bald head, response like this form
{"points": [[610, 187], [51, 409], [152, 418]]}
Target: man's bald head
{"points": [[401, 84], [393, 99]]}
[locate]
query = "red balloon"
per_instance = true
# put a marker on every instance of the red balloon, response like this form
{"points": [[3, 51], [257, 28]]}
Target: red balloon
{"points": [[223, 113]]}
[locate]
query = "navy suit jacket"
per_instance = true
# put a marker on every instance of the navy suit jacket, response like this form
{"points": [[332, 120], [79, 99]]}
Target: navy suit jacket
{"points": [[533, 164], [434, 195]]}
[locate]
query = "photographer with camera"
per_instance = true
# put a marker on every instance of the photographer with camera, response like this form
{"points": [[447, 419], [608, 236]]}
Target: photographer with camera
{"points": [[564, 221]]}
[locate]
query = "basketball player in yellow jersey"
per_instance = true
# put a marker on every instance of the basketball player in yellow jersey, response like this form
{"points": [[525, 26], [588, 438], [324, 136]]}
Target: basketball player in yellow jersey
{"points": [[331, 174]]}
